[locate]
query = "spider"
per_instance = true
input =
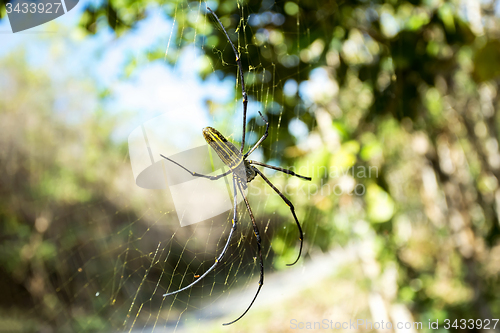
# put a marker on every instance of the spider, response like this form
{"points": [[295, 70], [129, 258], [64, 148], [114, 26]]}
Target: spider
{"points": [[243, 171]]}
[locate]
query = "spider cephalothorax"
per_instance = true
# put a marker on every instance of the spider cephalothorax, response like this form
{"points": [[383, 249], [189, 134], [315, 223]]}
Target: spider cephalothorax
{"points": [[243, 171], [250, 171]]}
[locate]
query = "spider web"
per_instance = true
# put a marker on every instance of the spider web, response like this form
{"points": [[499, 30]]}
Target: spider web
{"points": [[130, 257], [103, 264]]}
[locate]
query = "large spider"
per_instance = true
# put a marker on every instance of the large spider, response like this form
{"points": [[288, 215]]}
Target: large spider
{"points": [[243, 171]]}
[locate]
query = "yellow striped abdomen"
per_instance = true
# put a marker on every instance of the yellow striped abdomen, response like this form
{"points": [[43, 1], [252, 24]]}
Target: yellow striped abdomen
{"points": [[228, 153]]}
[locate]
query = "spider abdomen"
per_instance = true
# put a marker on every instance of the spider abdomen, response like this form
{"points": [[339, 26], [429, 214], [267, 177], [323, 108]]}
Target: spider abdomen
{"points": [[227, 152]]}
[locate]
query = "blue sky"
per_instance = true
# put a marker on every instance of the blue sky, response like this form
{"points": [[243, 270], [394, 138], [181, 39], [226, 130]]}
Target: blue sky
{"points": [[153, 88]]}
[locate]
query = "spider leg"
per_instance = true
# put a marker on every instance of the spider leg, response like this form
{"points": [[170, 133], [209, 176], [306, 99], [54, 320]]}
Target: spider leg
{"points": [[240, 69], [289, 172], [292, 209], [196, 174], [261, 262], [219, 258], [261, 139]]}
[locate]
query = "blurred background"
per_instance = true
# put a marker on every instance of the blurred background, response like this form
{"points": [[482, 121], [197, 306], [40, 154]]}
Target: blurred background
{"points": [[390, 106]]}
